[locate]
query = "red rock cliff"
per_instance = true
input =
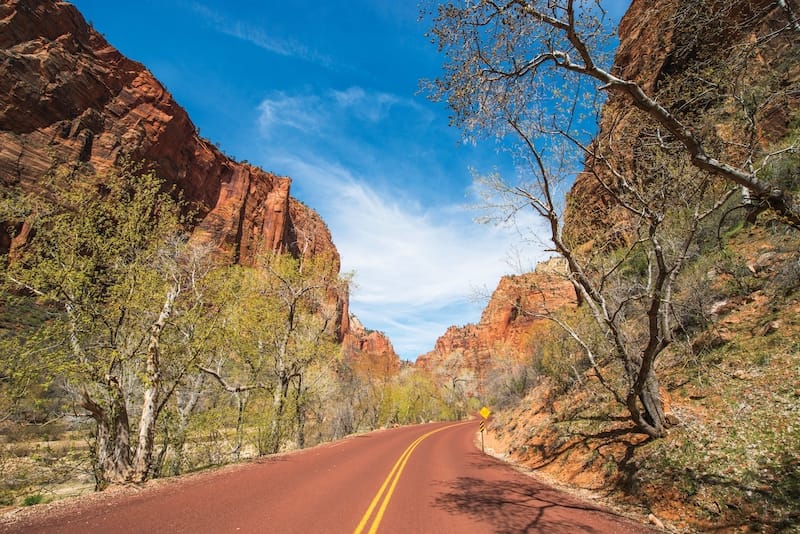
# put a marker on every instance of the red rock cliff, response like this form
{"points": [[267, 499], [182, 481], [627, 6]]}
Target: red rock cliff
{"points": [[508, 322], [661, 41], [68, 98], [369, 352]]}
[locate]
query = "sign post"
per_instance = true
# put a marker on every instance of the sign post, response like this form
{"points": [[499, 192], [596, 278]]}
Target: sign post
{"points": [[485, 413]]}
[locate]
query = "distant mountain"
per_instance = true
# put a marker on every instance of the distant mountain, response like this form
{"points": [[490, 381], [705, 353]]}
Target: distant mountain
{"points": [[509, 321]]}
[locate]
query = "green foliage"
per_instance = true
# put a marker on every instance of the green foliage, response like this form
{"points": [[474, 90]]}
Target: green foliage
{"points": [[108, 259], [31, 500]]}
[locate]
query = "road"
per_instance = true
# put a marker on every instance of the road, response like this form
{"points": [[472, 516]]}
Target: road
{"points": [[419, 479]]}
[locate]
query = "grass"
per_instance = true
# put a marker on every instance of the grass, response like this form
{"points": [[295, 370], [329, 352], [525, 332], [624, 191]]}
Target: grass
{"points": [[31, 500]]}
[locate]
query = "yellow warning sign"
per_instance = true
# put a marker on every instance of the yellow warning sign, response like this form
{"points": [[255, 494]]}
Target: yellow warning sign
{"points": [[483, 426], [485, 412]]}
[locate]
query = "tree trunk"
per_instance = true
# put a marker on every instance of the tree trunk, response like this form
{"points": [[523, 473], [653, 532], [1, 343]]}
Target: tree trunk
{"points": [[184, 413], [150, 404], [103, 450], [112, 452], [300, 413], [278, 405], [241, 404], [652, 420]]}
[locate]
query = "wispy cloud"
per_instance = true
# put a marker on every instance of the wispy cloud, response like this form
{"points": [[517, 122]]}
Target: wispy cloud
{"points": [[418, 265], [417, 271], [259, 37], [369, 106], [280, 111], [326, 112]]}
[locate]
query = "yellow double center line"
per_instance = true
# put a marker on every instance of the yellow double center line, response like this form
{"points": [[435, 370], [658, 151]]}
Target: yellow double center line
{"points": [[391, 483]]}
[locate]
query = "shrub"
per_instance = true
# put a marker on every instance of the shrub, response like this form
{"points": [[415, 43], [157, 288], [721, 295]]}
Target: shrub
{"points": [[31, 500]]}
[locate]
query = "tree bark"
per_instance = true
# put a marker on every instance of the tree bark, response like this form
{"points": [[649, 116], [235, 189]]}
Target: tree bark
{"points": [[652, 421], [150, 404], [300, 413], [278, 405], [112, 462]]}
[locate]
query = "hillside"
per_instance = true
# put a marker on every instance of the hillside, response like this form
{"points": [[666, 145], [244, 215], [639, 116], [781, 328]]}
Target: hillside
{"points": [[709, 441]]}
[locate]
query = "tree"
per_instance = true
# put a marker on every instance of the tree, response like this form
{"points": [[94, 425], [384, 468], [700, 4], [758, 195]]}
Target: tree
{"points": [[110, 256], [306, 291], [280, 327], [535, 71], [517, 61]]}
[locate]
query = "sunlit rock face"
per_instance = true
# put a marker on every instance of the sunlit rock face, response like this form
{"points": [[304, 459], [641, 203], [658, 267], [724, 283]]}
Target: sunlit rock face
{"points": [[70, 102], [653, 49], [508, 323], [68, 99], [369, 352]]}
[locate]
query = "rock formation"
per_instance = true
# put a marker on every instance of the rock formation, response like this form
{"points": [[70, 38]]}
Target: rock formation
{"points": [[654, 46], [660, 42], [369, 352], [70, 101], [508, 322]]}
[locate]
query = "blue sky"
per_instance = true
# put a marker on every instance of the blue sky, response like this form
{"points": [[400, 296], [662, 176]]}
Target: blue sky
{"points": [[327, 94]]}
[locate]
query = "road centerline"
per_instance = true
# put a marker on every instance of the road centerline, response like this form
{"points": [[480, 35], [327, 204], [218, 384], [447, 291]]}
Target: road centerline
{"points": [[391, 482]]}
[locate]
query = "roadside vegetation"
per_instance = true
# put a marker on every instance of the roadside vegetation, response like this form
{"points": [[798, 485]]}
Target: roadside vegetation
{"points": [[674, 384], [127, 352]]}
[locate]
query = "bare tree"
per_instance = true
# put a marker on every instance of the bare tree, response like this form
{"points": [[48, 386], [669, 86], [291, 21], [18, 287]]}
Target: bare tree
{"points": [[544, 61], [536, 72]]}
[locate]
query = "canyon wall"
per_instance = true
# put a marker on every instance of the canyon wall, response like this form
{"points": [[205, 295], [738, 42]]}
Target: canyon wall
{"points": [[369, 352], [655, 49], [508, 323], [71, 103], [668, 47]]}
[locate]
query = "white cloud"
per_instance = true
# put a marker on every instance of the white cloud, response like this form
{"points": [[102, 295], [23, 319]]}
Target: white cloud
{"points": [[326, 113], [370, 106], [259, 37], [302, 113], [417, 271], [418, 265]]}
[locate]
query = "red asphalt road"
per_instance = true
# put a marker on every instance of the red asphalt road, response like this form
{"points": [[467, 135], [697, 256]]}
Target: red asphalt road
{"points": [[427, 478]]}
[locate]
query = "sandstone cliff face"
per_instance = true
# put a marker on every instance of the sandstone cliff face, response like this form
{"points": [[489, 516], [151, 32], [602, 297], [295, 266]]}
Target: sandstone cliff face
{"points": [[660, 41], [508, 321], [70, 100], [369, 352]]}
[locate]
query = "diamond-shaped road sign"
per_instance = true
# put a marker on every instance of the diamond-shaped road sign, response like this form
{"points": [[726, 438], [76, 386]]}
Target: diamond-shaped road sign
{"points": [[485, 412]]}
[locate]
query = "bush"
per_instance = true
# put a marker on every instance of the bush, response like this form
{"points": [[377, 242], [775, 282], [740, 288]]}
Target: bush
{"points": [[31, 500], [509, 382]]}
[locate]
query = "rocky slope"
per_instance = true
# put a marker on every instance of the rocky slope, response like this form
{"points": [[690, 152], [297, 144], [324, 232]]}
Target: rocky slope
{"points": [[504, 330], [71, 102]]}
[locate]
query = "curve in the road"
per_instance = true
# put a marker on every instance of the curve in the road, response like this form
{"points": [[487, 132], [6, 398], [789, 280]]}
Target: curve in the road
{"points": [[391, 482], [438, 481]]}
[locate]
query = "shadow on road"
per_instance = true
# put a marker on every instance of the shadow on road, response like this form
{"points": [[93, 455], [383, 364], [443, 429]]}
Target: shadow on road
{"points": [[517, 503]]}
